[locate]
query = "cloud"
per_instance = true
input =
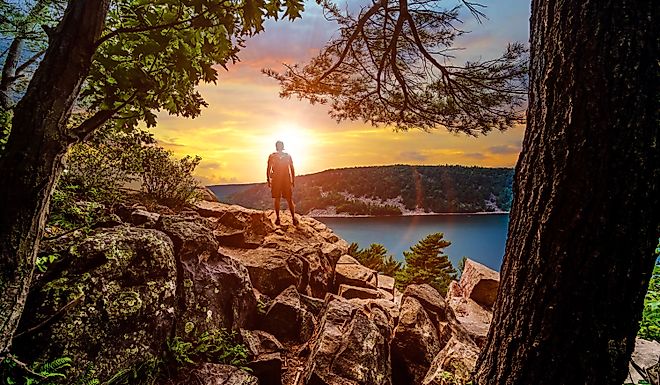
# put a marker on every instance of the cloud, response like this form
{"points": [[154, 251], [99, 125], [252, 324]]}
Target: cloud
{"points": [[475, 155], [504, 149], [413, 156]]}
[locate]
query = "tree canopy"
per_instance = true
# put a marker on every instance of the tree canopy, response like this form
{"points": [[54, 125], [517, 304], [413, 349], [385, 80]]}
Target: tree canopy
{"points": [[392, 64], [152, 54]]}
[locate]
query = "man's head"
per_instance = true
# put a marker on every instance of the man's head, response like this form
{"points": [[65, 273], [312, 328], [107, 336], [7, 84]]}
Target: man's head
{"points": [[279, 145]]}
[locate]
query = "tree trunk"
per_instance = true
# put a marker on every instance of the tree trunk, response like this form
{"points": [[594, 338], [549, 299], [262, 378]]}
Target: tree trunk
{"points": [[32, 162], [584, 223]]}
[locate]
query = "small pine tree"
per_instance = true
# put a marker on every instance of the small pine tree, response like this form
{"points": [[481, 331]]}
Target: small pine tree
{"points": [[426, 263], [375, 257]]}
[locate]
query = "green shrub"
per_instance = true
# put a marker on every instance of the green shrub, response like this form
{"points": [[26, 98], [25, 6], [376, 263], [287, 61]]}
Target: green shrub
{"points": [[375, 257], [167, 180], [426, 263], [47, 373], [219, 346], [649, 325]]}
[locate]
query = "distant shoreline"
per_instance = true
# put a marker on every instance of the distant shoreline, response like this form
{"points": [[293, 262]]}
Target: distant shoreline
{"points": [[406, 215]]}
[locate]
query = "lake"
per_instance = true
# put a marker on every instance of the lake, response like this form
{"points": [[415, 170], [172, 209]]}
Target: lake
{"points": [[478, 237]]}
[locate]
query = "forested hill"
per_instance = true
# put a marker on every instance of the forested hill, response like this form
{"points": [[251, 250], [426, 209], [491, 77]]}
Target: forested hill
{"points": [[388, 190]]}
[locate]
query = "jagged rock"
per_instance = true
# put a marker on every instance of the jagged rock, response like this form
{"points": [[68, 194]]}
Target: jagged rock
{"points": [[216, 291], [118, 286], [453, 364], [288, 319], [260, 342], [214, 374], [350, 292], [144, 218], [351, 346], [271, 271], [415, 343], [205, 194], [276, 258], [645, 358], [386, 283], [454, 290], [479, 283], [430, 299], [350, 272], [474, 318]]}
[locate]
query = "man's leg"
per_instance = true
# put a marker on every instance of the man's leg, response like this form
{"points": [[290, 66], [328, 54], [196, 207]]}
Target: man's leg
{"points": [[277, 210], [292, 208]]}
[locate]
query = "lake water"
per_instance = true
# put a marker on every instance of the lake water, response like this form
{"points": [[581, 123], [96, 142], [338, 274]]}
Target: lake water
{"points": [[478, 237]]}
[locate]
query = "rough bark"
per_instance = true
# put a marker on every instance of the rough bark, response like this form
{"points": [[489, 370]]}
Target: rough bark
{"points": [[38, 141], [9, 70], [584, 222]]}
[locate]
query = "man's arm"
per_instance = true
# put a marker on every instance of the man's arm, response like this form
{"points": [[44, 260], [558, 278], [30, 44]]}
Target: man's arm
{"points": [[268, 167], [293, 172]]}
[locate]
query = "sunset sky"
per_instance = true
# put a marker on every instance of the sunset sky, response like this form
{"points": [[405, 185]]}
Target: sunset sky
{"points": [[245, 117]]}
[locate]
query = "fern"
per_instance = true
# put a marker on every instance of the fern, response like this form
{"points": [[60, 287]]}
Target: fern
{"points": [[89, 377]]}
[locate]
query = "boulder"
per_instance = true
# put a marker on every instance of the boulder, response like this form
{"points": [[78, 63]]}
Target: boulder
{"points": [[472, 317], [479, 283], [350, 346], [214, 374], [415, 343], [350, 272], [645, 360], [379, 305], [453, 364], [271, 271], [144, 218], [288, 319], [430, 299], [216, 291], [114, 293], [350, 292]]}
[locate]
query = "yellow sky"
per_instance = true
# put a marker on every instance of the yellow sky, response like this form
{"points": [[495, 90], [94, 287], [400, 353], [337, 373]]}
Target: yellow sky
{"points": [[245, 117]]}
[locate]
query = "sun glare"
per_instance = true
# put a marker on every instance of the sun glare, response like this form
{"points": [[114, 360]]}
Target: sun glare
{"points": [[296, 140]]}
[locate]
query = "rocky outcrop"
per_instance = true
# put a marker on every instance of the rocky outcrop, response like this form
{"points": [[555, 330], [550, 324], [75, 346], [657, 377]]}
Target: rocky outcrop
{"points": [[214, 374], [108, 302], [214, 290], [276, 258], [479, 283], [350, 346], [308, 314], [266, 356], [453, 364]]}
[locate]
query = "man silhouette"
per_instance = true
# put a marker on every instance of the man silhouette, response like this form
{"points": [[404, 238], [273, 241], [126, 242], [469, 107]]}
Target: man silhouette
{"points": [[280, 176]]}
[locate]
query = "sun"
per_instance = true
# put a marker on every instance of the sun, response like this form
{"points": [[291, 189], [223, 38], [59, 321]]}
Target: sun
{"points": [[297, 141]]}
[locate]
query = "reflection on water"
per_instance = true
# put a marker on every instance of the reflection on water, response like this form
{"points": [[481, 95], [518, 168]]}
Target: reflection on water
{"points": [[479, 237]]}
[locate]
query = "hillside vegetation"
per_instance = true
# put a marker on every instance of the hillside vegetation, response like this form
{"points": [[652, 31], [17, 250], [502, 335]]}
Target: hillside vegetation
{"points": [[390, 190]]}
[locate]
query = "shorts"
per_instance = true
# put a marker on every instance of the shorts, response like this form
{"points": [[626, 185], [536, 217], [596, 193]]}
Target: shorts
{"points": [[281, 188]]}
